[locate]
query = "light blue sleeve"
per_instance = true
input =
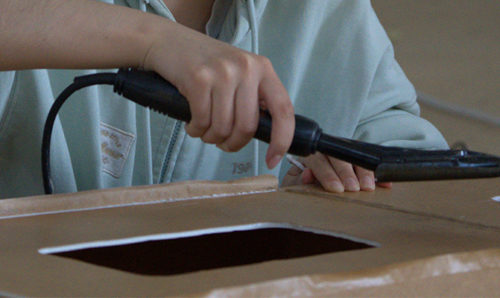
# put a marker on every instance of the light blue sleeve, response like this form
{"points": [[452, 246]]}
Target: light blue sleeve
{"points": [[390, 115], [353, 85]]}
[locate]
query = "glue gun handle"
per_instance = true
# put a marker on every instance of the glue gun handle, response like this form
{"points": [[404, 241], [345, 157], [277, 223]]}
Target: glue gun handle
{"points": [[149, 89]]}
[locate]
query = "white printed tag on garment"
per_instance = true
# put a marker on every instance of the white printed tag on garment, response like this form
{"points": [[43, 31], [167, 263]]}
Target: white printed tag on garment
{"points": [[115, 148]]}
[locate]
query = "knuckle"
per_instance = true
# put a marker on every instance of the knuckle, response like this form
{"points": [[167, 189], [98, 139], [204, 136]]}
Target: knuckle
{"points": [[222, 133], [233, 147], [245, 62], [208, 140], [189, 131], [200, 124], [247, 129], [226, 70], [202, 77], [193, 131], [266, 63]]}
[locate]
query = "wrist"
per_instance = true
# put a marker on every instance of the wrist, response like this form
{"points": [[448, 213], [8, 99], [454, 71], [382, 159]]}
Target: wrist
{"points": [[162, 42]]}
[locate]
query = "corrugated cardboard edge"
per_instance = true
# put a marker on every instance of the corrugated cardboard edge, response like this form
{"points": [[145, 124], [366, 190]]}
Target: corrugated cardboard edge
{"points": [[461, 274], [126, 196]]}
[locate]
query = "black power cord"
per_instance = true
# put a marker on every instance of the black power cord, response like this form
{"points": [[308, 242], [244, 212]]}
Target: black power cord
{"points": [[388, 163], [78, 83], [150, 90]]}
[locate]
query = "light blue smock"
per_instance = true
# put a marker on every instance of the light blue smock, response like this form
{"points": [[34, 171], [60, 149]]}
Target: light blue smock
{"points": [[333, 57]]}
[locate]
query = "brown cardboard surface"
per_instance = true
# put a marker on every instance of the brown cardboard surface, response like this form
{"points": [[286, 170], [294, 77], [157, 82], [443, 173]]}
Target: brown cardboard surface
{"points": [[452, 275], [395, 219], [467, 201], [124, 196]]}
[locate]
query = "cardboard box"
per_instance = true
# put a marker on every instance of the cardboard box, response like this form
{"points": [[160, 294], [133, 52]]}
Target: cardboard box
{"points": [[426, 238]]}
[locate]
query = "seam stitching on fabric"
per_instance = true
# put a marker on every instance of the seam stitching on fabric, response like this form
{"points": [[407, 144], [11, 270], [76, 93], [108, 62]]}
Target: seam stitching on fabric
{"points": [[160, 158], [6, 117]]}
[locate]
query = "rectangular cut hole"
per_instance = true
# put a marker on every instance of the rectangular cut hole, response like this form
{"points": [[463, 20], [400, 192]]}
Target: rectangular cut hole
{"points": [[213, 250]]}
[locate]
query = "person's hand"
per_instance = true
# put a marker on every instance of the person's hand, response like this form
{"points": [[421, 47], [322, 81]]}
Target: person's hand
{"points": [[224, 87], [332, 174]]}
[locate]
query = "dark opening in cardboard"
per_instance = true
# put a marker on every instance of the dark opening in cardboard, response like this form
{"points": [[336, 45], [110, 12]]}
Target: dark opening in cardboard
{"points": [[214, 250]]}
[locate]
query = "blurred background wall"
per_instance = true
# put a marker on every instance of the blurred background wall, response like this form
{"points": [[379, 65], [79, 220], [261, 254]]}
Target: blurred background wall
{"points": [[450, 50]]}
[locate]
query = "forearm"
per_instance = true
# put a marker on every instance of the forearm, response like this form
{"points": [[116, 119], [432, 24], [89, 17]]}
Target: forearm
{"points": [[223, 84], [74, 34]]}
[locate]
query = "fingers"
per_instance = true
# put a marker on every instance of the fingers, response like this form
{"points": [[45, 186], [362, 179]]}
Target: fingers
{"points": [[199, 103], [366, 178], [224, 100], [292, 177], [333, 174], [246, 116], [222, 116], [308, 176], [294, 171], [346, 174], [276, 99], [224, 86], [385, 184], [224, 105], [298, 174], [324, 173]]}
